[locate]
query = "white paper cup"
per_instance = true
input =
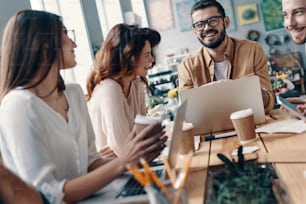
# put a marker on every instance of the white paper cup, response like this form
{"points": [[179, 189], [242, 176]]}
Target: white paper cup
{"points": [[244, 124], [142, 121]]}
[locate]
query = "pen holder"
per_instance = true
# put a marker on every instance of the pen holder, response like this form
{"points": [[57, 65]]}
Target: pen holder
{"points": [[180, 196], [163, 191], [172, 196]]}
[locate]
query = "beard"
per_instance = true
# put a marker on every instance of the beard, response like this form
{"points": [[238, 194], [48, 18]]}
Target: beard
{"points": [[215, 43]]}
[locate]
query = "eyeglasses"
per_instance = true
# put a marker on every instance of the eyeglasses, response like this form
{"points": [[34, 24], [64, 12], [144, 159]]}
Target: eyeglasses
{"points": [[212, 21], [70, 34]]}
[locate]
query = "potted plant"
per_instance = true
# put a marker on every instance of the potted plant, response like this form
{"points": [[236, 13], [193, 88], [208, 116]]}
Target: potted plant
{"points": [[240, 182]]}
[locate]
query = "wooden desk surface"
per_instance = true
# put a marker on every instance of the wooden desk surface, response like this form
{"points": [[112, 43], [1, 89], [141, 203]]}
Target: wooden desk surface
{"points": [[196, 180], [292, 174], [289, 157], [293, 180], [227, 145], [289, 154]]}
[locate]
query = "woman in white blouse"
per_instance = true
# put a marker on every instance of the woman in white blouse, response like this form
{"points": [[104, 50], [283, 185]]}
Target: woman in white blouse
{"points": [[46, 136], [116, 85]]}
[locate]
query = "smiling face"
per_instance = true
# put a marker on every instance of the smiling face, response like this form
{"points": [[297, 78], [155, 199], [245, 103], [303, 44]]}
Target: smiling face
{"points": [[68, 50], [210, 36], [294, 12], [145, 60]]}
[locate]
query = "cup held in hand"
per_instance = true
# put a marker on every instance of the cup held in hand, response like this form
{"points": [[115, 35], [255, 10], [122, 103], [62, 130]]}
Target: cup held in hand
{"points": [[244, 125], [142, 121]]}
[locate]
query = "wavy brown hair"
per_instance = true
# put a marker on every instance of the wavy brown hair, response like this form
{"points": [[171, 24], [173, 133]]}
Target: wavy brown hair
{"points": [[24, 46], [114, 58]]}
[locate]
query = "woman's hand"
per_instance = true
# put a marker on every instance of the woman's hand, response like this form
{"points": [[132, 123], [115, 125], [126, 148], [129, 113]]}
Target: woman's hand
{"points": [[107, 152], [148, 144]]}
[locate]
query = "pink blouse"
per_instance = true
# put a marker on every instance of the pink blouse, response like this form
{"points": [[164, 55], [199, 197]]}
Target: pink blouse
{"points": [[112, 114]]}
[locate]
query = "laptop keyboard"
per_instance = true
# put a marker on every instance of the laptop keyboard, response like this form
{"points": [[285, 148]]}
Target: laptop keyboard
{"points": [[132, 187]]}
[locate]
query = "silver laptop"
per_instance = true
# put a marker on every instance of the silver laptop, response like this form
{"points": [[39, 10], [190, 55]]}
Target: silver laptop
{"points": [[209, 106], [109, 194]]}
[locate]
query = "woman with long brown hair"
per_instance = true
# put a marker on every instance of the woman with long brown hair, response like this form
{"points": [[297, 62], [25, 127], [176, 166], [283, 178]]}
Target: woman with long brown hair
{"points": [[46, 134], [116, 84]]}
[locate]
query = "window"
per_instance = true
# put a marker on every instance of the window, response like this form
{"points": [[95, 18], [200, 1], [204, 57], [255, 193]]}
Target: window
{"points": [[72, 14], [109, 12]]}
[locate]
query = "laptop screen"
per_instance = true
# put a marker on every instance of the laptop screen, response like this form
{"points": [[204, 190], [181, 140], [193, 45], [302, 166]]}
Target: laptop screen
{"points": [[209, 106]]}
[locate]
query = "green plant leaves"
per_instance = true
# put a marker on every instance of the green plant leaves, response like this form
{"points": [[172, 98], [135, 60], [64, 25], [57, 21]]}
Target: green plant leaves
{"points": [[242, 182]]}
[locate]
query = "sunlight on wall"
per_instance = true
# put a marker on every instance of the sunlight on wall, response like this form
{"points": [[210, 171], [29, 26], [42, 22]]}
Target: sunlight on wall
{"points": [[139, 9], [109, 14]]}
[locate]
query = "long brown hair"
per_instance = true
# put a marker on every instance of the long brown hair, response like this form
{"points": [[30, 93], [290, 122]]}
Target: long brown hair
{"points": [[24, 46], [114, 58]]}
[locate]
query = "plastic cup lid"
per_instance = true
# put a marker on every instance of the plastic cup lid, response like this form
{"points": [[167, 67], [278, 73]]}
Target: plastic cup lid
{"points": [[241, 114]]}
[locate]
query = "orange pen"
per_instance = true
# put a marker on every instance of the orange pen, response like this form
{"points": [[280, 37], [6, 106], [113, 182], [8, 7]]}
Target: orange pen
{"points": [[153, 175], [137, 174], [169, 171]]}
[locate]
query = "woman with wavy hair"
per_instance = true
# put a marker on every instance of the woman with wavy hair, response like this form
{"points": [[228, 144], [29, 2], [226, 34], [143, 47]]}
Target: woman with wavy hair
{"points": [[46, 134], [116, 84]]}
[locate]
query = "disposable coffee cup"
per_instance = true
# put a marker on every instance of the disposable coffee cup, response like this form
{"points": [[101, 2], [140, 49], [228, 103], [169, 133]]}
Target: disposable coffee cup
{"points": [[244, 125], [142, 121], [187, 139]]}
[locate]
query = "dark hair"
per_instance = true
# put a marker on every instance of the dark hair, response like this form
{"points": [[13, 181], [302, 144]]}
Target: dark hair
{"points": [[29, 38], [114, 58], [208, 3]]}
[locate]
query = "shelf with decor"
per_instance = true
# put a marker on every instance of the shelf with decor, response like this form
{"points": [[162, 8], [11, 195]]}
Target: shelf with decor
{"points": [[172, 61], [162, 81], [289, 67]]}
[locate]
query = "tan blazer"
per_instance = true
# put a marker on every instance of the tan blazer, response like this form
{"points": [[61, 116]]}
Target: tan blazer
{"points": [[246, 58]]}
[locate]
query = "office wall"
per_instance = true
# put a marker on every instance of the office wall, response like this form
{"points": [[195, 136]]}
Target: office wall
{"points": [[9, 8], [174, 41]]}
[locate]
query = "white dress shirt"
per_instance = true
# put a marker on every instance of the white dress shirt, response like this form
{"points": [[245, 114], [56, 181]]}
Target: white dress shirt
{"points": [[40, 146]]}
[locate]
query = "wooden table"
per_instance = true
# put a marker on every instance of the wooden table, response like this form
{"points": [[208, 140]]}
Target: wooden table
{"points": [[286, 152], [290, 166]]}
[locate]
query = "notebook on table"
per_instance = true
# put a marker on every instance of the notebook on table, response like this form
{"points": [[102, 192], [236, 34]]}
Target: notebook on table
{"points": [[118, 191], [209, 106]]}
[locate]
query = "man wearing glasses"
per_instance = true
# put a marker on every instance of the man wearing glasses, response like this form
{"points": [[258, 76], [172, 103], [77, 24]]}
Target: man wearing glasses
{"points": [[222, 57]]}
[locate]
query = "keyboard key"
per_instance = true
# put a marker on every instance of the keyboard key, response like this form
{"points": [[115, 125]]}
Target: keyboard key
{"points": [[132, 187]]}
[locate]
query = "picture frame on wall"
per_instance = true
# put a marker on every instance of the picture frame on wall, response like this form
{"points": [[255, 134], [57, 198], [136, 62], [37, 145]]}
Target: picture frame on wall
{"points": [[160, 14], [272, 16], [183, 9], [247, 14]]}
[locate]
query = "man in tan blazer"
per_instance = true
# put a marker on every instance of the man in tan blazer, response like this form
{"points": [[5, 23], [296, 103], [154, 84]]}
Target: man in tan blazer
{"points": [[222, 57]]}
